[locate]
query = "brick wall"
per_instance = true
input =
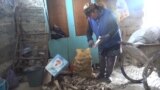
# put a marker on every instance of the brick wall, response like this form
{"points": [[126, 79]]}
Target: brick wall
{"points": [[33, 19], [7, 30], [134, 21]]}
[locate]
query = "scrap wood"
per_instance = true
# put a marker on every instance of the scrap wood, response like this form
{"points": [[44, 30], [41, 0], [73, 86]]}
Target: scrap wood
{"points": [[66, 73], [53, 88], [47, 78], [80, 81], [99, 86], [57, 84], [67, 79], [70, 86], [92, 86], [65, 88]]}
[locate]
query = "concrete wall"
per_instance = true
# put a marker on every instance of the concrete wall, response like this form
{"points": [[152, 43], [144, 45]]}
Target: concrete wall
{"points": [[134, 21], [7, 30], [29, 3], [31, 15], [7, 33], [32, 18]]}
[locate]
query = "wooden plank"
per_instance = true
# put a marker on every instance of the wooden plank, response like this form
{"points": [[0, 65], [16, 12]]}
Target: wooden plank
{"points": [[79, 16], [57, 14]]}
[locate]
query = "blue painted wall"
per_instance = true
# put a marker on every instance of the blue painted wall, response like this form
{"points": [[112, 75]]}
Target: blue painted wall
{"points": [[67, 46]]}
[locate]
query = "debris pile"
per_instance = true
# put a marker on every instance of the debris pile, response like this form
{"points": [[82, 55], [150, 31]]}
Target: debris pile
{"points": [[76, 82]]}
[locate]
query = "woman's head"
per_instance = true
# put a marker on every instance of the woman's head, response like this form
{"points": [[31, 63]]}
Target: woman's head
{"points": [[92, 10]]}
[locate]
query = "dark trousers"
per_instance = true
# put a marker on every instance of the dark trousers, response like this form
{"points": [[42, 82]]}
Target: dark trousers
{"points": [[107, 61], [106, 65]]}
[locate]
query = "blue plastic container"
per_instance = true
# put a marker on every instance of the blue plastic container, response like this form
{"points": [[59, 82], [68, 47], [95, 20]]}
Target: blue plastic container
{"points": [[3, 84], [56, 65]]}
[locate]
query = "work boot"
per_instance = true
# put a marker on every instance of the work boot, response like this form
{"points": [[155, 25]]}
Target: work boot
{"points": [[106, 80], [101, 78]]}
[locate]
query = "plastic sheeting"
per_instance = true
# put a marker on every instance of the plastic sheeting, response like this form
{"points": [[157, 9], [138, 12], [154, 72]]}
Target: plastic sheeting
{"points": [[150, 35]]}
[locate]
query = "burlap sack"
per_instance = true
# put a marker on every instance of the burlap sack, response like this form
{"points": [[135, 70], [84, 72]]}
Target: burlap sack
{"points": [[82, 63]]}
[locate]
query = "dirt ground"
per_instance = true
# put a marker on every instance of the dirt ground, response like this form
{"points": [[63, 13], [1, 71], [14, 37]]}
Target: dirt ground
{"points": [[119, 82]]}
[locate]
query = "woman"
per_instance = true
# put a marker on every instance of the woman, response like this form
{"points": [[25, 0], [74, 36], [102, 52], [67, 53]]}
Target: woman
{"points": [[103, 24]]}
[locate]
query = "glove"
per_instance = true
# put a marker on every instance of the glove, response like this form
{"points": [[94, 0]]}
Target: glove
{"points": [[101, 39], [104, 37], [90, 43], [97, 43]]}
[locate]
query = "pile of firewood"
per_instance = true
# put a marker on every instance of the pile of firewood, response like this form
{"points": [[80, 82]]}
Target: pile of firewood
{"points": [[76, 82], [81, 75]]}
